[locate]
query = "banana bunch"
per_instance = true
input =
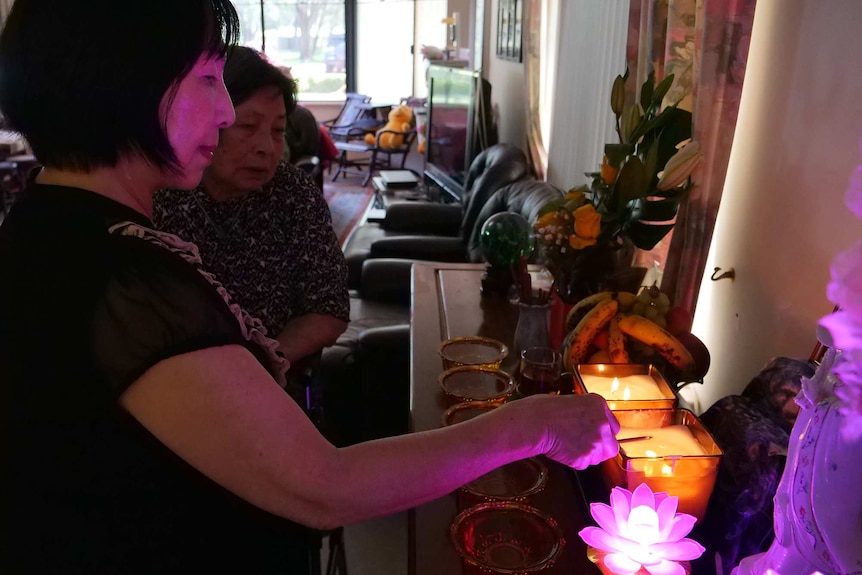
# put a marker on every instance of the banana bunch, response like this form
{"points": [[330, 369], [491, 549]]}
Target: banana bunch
{"points": [[606, 321]]}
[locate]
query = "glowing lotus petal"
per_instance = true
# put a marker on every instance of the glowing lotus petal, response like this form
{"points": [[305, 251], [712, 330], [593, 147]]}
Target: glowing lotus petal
{"points": [[605, 517], [619, 563], [665, 568], [643, 496], [642, 529], [681, 526], [682, 550]]}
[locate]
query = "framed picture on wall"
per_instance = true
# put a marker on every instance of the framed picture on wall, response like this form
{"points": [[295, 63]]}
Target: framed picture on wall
{"points": [[509, 29]]}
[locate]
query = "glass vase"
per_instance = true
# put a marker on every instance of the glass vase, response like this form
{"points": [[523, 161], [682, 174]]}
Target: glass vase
{"points": [[532, 329]]}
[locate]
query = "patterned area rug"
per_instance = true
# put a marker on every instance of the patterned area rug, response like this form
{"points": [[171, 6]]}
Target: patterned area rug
{"points": [[347, 201]]}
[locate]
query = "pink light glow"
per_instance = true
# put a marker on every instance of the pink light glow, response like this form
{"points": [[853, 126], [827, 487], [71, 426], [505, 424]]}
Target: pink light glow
{"points": [[642, 529]]}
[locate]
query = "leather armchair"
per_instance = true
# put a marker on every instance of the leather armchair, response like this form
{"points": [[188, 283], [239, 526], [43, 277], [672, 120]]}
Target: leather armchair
{"points": [[450, 224], [364, 377]]}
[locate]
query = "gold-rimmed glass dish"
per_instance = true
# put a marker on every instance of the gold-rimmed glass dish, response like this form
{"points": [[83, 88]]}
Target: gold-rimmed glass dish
{"points": [[516, 481], [506, 537], [473, 350], [476, 383]]}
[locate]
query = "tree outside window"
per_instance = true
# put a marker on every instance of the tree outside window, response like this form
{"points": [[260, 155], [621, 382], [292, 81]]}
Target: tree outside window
{"points": [[307, 36]]}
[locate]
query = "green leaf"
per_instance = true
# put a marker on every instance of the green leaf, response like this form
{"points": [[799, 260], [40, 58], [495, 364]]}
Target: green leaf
{"points": [[661, 90], [657, 211], [647, 91], [675, 127], [616, 153], [631, 181], [651, 162], [646, 237], [618, 96], [551, 206], [631, 121]]}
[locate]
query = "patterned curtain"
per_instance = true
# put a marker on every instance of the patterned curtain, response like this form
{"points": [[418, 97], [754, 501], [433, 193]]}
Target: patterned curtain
{"points": [[704, 43]]}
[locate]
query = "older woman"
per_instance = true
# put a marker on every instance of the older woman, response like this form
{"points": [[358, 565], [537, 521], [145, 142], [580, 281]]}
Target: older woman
{"points": [[143, 426], [260, 224]]}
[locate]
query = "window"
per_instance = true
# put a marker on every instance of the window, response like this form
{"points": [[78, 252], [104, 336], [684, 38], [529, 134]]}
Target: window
{"points": [[313, 38], [307, 36]]}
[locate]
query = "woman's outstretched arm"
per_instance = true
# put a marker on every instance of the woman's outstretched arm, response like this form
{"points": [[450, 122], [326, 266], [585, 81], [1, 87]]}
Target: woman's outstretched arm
{"points": [[221, 412]]}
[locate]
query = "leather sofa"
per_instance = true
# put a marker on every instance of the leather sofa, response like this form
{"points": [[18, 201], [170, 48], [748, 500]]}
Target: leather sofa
{"points": [[450, 224]]}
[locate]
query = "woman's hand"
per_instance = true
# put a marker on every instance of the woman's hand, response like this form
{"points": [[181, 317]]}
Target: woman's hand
{"points": [[576, 430]]}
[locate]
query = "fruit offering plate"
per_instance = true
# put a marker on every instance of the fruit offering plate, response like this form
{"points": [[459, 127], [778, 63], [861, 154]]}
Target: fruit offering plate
{"points": [[614, 327]]}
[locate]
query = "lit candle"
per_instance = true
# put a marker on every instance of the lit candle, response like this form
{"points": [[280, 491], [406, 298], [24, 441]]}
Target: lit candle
{"points": [[671, 460], [663, 441], [629, 387]]}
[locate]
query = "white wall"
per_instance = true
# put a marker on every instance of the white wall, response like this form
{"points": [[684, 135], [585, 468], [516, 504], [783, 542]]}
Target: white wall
{"points": [[591, 55], [782, 216], [508, 86]]}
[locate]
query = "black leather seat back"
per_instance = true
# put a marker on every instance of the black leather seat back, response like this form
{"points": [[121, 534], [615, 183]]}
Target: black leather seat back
{"points": [[525, 197], [492, 169]]}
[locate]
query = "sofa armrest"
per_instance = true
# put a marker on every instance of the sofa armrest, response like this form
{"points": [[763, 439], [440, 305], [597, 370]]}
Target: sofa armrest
{"points": [[424, 218], [386, 280], [425, 248]]}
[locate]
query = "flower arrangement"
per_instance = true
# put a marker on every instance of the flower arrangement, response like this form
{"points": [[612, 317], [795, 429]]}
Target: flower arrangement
{"points": [[642, 529], [632, 200]]}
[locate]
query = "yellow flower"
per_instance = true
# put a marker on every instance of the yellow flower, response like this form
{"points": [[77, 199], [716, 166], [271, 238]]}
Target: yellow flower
{"points": [[608, 172], [588, 222]]}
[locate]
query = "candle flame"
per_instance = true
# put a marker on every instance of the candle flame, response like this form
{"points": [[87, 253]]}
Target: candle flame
{"points": [[627, 394], [666, 469], [615, 385]]}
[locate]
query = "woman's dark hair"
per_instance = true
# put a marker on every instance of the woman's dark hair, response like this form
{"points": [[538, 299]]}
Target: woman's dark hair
{"points": [[247, 71], [83, 80]]}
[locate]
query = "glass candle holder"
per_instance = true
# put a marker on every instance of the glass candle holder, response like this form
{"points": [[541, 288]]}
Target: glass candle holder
{"points": [[626, 386], [506, 538], [476, 383], [473, 350], [678, 457], [516, 481]]}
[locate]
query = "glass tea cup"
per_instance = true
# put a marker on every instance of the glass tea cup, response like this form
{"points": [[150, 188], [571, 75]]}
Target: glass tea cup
{"points": [[540, 371]]}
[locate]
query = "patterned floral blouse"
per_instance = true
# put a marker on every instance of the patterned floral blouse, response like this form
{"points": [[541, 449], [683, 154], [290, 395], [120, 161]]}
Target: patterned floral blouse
{"points": [[274, 249]]}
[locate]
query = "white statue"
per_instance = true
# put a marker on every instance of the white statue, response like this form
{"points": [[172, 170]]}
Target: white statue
{"points": [[818, 504]]}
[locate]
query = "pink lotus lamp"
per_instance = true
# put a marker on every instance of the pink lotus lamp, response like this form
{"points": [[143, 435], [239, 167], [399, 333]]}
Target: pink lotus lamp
{"points": [[641, 532]]}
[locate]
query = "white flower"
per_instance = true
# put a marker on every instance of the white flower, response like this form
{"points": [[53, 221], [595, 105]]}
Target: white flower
{"points": [[642, 529]]}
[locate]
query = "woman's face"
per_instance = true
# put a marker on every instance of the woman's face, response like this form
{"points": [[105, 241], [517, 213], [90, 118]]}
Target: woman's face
{"points": [[250, 149], [200, 108]]}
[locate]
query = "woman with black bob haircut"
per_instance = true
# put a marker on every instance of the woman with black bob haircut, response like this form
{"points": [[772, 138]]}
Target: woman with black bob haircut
{"points": [[96, 96], [144, 428]]}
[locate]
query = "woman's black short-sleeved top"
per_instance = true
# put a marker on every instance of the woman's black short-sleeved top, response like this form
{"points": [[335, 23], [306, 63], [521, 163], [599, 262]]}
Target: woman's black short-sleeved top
{"points": [[89, 302]]}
